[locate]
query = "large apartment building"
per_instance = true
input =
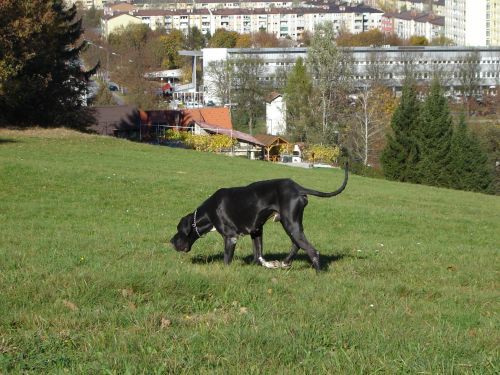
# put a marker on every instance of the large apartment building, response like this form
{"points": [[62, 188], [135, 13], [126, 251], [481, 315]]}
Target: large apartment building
{"points": [[87, 4], [283, 22], [390, 64], [473, 22], [407, 24]]}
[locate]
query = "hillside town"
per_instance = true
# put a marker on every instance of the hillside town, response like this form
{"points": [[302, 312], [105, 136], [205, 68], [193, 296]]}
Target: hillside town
{"points": [[249, 187], [287, 81]]}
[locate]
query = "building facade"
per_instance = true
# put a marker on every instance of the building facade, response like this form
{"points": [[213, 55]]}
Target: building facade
{"points": [[388, 66], [110, 24], [283, 22], [275, 114], [407, 24], [87, 4], [494, 20], [468, 22]]}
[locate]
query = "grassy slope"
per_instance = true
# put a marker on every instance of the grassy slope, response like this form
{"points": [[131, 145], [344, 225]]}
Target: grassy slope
{"points": [[86, 279]]}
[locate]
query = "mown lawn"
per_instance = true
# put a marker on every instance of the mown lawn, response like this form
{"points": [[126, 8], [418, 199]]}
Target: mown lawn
{"points": [[88, 284]]}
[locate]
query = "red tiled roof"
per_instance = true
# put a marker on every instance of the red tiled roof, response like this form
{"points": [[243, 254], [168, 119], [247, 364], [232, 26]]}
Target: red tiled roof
{"points": [[272, 96], [218, 117]]}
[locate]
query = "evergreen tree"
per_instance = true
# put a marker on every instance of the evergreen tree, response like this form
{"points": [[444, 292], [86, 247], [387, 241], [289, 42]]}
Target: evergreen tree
{"points": [[469, 165], [45, 83], [298, 91], [434, 139], [401, 155]]}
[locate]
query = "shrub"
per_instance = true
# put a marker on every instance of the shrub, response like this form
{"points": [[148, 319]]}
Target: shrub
{"points": [[207, 143], [325, 154]]}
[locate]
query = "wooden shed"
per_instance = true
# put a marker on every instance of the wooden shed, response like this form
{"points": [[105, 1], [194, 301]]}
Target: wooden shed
{"points": [[272, 145]]}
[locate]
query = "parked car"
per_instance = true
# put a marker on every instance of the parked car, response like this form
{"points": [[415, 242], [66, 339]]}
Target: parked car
{"points": [[192, 104]]}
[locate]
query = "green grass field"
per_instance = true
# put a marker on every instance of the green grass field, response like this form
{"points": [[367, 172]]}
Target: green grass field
{"points": [[88, 284]]}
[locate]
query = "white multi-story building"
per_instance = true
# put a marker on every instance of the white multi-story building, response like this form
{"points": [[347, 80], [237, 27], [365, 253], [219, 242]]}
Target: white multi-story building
{"points": [[494, 22], [390, 64], [467, 22], [87, 4]]}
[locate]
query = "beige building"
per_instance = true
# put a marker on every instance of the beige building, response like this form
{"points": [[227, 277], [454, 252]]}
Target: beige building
{"points": [[110, 24], [407, 24]]}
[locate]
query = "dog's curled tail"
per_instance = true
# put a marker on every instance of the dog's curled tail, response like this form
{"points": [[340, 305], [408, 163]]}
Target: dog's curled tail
{"points": [[333, 193]]}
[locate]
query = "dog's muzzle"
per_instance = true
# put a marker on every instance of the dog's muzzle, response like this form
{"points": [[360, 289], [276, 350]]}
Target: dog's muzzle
{"points": [[179, 245]]}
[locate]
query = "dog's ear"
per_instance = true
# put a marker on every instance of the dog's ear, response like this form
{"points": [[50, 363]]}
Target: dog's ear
{"points": [[184, 226]]}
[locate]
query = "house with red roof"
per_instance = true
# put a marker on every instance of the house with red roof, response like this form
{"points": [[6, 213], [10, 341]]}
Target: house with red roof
{"points": [[150, 126]]}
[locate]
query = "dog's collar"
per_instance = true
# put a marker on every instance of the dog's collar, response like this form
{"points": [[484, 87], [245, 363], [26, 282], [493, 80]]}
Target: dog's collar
{"points": [[194, 224]]}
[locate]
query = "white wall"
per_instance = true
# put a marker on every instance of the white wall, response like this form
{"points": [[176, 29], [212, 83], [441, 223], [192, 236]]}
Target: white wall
{"points": [[475, 23], [276, 117]]}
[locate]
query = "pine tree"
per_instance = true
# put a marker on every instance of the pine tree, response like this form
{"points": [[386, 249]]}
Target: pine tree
{"points": [[434, 139], [46, 85], [401, 155], [298, 91], [469, 165]]}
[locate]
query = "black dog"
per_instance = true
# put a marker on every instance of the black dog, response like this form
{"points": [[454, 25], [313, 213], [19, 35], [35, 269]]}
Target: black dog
{"points": [[244, 210]]}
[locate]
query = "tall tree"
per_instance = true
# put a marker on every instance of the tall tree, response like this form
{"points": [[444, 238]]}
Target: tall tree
{"points": [[249, 91], [434, 138], [331, 70], [41, 76], [218, 80], [401, 155], [469, 163], [469, 74], [372, 108], [167, 48], [195, 40], [298, 91], [223, 38]]}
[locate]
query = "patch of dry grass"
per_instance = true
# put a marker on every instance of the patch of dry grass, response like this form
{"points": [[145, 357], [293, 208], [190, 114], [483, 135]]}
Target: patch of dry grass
{"points": [[37, 132]]}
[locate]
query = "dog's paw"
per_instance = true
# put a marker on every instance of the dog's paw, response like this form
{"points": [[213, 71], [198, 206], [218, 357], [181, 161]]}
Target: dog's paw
{"points": [[275, 264], [285, 265], [271, 264]]}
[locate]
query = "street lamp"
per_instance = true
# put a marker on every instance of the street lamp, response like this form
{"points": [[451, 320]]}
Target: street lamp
{"points": [[121, 57]]}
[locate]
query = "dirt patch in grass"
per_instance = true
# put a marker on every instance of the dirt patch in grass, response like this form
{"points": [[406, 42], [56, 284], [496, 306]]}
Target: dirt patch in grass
{"points": [[37, 132]]}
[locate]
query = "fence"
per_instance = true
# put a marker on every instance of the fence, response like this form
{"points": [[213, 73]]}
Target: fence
{"points": [[155, 133]]}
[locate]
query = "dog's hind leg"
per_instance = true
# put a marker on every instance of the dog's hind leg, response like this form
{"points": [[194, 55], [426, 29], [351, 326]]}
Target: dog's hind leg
{"points": [[300, 240], [229, 246], [295, 231], [289, 259]]}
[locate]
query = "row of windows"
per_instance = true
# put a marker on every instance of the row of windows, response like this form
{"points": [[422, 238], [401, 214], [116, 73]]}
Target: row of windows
{"points": [[395, 76], [429, 75], [425, 62]]}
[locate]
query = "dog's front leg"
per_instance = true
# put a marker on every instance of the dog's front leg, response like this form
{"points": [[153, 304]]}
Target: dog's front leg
{"points": [[257, 251], [257, 246], [229, 246]]}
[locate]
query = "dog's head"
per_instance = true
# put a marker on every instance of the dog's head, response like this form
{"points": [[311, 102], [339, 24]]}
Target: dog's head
{"points": [[186, 235]]}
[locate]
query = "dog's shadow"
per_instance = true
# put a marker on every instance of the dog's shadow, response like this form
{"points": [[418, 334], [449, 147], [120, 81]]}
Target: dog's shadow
{"points": [[325, 260]]}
